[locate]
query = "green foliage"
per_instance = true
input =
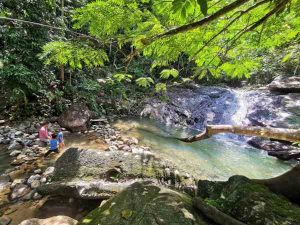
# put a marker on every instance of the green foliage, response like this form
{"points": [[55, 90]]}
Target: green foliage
{"points": [[166, 74], [74, 55], [160, 87], [144, 81], [120, 77]]}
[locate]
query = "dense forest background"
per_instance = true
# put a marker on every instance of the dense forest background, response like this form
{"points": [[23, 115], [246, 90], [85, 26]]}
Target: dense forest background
{"points": [[57, 52]]}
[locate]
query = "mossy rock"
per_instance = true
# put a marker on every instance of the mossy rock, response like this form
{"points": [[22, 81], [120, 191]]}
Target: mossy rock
{"points": [[249, 202], [92, 174], [145, 204]]}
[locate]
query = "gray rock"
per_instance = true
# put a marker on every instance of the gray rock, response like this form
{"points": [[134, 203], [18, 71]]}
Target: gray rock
{"points": [[15, 146], [18, 133], [37, 196], [33, 178], [49, 171], [285, 84], [15, 153], [38, 171], [19, 191], [91, 174], [5, 220], [34, 184], [76, 118], [56, 220]]}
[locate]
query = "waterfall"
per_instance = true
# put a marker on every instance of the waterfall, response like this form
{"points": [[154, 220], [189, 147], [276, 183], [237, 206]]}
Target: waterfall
{"points": [[240, 108]]}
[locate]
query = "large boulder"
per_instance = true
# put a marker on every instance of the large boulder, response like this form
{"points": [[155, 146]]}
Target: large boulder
{"points": [[285, 84], [192, 106], [91, 174], [56, 220], [145, 203], [76, 118], [249, 202]]}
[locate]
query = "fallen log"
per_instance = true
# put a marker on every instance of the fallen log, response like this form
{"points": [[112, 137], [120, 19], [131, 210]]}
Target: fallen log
{"points": [[290, 135], [214, 214]]}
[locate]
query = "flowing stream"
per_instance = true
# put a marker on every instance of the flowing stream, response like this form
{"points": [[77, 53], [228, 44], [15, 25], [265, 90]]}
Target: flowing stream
{"points": [[216, 158]]}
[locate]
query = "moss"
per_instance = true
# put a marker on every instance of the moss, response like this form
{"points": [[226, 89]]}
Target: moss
{"points": [[143, 204], [252, 203]]}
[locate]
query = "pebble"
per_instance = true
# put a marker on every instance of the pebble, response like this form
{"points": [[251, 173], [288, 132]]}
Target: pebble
{"points": [[38, 171], [49, 171], [36, 196], [15, 153], [5, 220], [35, 184], [33, 178]]}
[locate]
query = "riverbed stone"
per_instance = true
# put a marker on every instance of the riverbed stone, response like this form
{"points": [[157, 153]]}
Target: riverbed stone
{"points": [[19, 191], [35, 184], [159, 206], [5, 220], [76, 119], [33, 178], [249, 202], [15, 146], [56, 220], [49, 171], [15, 153]]}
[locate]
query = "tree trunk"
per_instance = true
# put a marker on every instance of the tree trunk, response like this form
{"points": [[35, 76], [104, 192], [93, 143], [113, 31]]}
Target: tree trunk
{"points": [[214, 214], [290, 135], [62, 73], [287, 184]]}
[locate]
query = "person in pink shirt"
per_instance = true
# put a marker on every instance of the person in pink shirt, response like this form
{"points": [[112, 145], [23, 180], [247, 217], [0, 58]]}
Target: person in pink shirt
{"points": [[44, 136]]}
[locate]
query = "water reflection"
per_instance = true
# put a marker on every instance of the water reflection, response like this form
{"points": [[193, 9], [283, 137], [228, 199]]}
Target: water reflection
{"points": [[216, 158]]}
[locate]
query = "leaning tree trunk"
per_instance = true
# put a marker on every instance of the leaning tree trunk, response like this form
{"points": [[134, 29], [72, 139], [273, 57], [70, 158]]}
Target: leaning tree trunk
{"points": [[214, 214], [287, 184], [291, 135]]}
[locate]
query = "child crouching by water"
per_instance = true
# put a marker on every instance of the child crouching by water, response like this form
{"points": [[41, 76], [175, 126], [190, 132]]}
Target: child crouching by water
{"points": [[53, 145], [60, 138]]}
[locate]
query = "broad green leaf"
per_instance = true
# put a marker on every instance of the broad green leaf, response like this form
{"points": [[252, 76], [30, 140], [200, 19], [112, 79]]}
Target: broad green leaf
{"points": [[166, 74]]}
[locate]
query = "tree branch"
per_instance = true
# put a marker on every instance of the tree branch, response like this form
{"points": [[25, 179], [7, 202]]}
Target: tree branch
{"points": [[204, 21], [291, 135], [49, 26], [229, 24]]}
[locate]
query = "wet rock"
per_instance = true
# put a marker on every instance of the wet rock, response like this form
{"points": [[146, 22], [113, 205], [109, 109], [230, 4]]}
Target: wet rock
{"points": [[194, 106], [35, 184], [5, 182], [285, 84], [160, 206], [15, 146], [37, 196], [76, 118], [15, 153], [249, 202], [49, 171], [5, 220], [38, 171], [19, 191], [90, 174], [33, 178], [56, 220]]}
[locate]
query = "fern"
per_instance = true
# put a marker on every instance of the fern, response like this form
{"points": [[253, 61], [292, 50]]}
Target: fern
{"points": [[166, 74], [120, 77], [144, 81]]}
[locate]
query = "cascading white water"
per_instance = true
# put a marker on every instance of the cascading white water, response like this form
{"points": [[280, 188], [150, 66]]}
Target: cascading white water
{"points": [[241, 107]]}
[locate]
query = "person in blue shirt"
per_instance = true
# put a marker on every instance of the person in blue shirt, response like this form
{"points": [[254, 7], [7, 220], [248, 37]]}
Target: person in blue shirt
{"points": [[53, 145], [60, 138]]}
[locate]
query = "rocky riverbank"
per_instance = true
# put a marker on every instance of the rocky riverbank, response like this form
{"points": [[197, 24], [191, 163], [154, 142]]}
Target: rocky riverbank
{"points": [[196, 106]]}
